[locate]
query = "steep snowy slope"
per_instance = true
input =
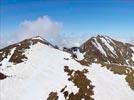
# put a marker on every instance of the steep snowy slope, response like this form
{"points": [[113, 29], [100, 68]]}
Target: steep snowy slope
{"points": [[34, 70], [35, 78], [114, 55], [109, 86]]}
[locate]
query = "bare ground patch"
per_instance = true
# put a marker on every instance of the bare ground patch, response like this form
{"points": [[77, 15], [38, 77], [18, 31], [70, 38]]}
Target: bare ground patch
{"points": [[80, 80], [2, 76], [52, 96]]}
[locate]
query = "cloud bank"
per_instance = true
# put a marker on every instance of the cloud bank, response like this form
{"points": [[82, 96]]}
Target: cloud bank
{"points": [[42, 26], [71, 40]]}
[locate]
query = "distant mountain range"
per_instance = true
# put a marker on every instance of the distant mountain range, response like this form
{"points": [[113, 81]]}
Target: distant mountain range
{"points": [[102, 68]]}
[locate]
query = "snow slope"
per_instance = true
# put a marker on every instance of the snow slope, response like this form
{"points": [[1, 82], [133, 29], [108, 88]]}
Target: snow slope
{"points": [[43, 72], [109, 86]]}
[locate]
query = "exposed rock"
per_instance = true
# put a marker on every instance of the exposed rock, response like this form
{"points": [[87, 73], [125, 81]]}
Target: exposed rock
{"points": [[2, 76], [53, 96], [80, 80]]}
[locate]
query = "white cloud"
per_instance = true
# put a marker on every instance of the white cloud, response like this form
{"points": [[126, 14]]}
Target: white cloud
{"points": [[48, 29], [42, 26], [71, 40]]}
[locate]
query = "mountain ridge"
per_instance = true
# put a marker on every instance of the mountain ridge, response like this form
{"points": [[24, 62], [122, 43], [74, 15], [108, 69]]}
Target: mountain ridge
{"points": [[35, 69]]}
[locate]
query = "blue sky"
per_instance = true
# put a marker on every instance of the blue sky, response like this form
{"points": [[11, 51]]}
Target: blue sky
{"points": [[79, 18]]}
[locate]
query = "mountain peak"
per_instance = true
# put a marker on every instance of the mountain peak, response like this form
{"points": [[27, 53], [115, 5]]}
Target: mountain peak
{"points": [[102, 37], [38, 38], [15, 52], [99, 36], [108, 50]]}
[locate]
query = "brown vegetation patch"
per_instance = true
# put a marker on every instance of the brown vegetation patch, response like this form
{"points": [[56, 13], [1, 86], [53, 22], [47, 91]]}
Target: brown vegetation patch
{"points": [[80, 80], [130, 79], [83, 62], [53, 96]]}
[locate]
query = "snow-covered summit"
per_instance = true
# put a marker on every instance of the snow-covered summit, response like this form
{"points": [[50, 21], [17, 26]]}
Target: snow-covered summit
{"points": [[38, 37]]}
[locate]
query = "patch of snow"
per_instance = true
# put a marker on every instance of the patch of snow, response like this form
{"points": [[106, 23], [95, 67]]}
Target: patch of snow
{"points": [[72, 88], [127, 61], [80, 56], [109, 40], [95, 59], [121, 53], [132, 48], [61, 96], [111, 48], [99, 47], [109, 86], [38, 37], [3, 54]]}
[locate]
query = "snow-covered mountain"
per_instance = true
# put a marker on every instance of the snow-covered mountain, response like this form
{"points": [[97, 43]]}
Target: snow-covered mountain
{"points": [[100, 69]]}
